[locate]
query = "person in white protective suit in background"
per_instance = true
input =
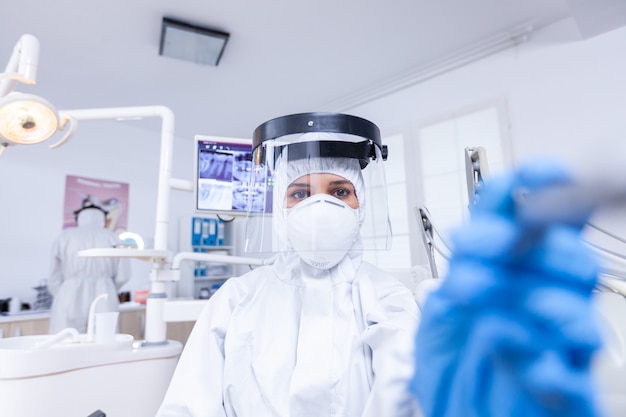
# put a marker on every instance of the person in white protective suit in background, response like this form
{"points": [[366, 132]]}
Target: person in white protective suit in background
{"points": [[76, 281], [320, 331]]}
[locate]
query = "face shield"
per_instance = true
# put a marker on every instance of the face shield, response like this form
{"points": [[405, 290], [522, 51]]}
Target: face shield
{"points": [[301, 159]]}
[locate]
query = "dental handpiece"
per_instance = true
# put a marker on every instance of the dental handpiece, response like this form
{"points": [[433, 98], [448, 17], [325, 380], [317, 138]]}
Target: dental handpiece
{"points": [[570, 203]]}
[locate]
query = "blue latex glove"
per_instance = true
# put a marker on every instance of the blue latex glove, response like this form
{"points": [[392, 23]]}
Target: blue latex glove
{"points": [[510, 332]]}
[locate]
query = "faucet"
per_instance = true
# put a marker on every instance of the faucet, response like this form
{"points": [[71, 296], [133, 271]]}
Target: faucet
{"points": [[92, 315], [68, 331]]}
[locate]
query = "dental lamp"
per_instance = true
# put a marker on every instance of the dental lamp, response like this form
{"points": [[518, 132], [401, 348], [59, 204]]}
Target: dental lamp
{"points": [[27, 119], [22, 64]]}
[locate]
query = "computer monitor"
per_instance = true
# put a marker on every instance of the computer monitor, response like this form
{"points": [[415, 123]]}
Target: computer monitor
{"points": [[222, 177]]}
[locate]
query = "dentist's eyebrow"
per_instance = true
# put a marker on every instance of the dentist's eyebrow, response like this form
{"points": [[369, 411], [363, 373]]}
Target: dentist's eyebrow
{"points": [[299, 185], [341, 182]]}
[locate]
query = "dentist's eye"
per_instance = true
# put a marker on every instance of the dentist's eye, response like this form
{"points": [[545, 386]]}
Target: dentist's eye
{"points": [[299, 195], [295, 195], [341, 193]]}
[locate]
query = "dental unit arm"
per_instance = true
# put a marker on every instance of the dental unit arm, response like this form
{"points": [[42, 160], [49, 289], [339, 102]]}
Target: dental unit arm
{"points": [[611, 278], [567, 202], [476, 170], [561, 203], [208, 257]]}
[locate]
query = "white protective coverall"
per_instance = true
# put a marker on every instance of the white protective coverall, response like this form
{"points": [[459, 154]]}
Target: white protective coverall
{"points": [[291, 340], [76, 281]]}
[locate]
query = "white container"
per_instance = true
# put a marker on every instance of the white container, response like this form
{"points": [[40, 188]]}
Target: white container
{"points": [[15, 305], [123, 378], [106, 326]]}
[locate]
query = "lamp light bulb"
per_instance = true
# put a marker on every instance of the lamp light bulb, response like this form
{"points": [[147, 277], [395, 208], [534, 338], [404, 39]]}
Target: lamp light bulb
{"points": [[27, 119]]}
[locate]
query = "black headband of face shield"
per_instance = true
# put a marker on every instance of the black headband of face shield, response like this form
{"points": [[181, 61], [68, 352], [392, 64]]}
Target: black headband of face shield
{"points": [[89, 207], [323, 122], [363, 151]]}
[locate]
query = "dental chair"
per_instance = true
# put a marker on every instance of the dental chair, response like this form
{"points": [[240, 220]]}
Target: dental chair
{"points": [[610, 302]]}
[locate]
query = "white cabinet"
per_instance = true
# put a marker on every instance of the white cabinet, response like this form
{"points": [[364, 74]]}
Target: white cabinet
{"points": [[208, 276], [5, 330], [24, 327], [131, 321], [198, 279], [179, 330]]}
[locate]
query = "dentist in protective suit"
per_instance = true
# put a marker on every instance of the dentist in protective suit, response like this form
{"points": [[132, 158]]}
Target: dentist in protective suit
{"points": [[320, 331], [76, 281]]}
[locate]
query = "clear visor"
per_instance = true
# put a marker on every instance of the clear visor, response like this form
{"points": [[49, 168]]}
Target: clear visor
{"points": [[291, 170]]}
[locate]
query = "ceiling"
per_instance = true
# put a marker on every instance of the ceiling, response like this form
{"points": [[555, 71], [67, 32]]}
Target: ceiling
{"points": [[283, 56]]}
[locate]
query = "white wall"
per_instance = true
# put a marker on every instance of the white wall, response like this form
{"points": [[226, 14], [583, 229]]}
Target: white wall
{"points": [[562, 92], [33, 185], [565, 96]]}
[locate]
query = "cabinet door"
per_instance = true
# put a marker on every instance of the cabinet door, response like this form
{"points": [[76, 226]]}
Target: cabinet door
{"points": [[5, 330], [29, 327], [133, 322], [180, 330]]}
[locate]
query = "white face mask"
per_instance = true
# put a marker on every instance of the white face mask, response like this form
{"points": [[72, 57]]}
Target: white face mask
{"points": [[322, 229]]}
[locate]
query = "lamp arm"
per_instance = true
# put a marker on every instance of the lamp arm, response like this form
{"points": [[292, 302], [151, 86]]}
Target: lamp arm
{"points": [[165, 165], [22, 65], [73, 124], [155, 327]]}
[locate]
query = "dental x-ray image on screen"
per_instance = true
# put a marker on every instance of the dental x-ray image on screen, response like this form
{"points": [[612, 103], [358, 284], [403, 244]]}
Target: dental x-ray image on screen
{"points": [[222, 177]]}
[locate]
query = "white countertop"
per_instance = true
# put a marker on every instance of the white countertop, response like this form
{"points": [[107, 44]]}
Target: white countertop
{"points": [[24, 315], [183, 309], [131, 306], [45, 314], [176, 309]]}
